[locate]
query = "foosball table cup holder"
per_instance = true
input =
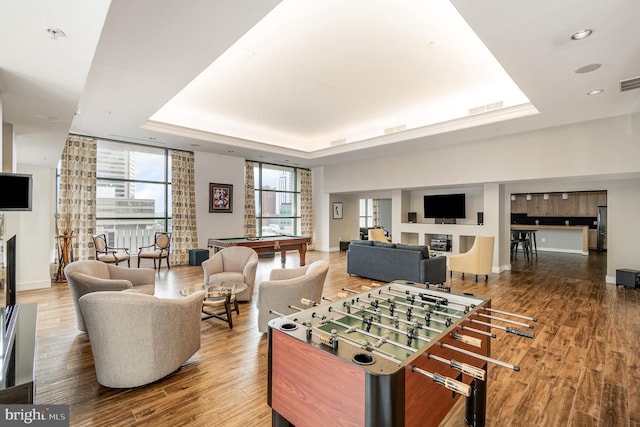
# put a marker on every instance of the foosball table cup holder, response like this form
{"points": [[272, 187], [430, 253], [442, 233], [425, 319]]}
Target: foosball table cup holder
{"points": [[288, 327], [363, 359]]}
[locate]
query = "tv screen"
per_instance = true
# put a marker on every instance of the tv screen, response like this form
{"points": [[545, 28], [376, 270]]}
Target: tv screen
{"points": [[444, 206], [19, 198]]}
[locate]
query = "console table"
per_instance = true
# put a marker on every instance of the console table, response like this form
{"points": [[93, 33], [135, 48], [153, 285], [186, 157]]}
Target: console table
{"points": [[19, 347]]}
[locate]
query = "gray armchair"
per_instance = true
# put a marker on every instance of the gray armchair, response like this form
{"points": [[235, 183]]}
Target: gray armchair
{"points": [[288, 286], [232, 264], [137, 339], [95, 276]]}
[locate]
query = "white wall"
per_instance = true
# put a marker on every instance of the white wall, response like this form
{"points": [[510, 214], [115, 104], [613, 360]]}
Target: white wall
{"points": [[218, 169], [321, 215], [34, 231], [583, 156]]}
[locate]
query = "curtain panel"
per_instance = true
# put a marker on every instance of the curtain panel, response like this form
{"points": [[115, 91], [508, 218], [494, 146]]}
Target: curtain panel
{"points": [[376, 212], [249, 200], [306, 205], [77, 198], [184, 234]]}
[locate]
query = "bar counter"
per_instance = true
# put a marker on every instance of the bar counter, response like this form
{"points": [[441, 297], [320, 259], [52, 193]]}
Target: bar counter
{"points": [[563, 228]]}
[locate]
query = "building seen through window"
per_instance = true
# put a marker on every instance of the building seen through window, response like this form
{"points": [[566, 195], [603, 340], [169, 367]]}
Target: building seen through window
{"points": [[133, 192], [277, 198]]}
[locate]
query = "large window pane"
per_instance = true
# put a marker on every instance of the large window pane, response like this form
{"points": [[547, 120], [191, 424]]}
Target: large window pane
{"points": [[277, 198], [133, 194], [128, 161], [129, 234], [140, 199]]}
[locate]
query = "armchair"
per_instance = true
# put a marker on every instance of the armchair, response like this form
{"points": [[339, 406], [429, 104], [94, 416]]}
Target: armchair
{"points": [[137, 339], [478, 260], [232, 264], [108, 254], [161, 248], [288, 286], [94, 276], [377, 235]]}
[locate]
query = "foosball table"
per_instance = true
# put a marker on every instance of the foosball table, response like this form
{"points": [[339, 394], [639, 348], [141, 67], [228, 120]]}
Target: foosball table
{"points": [[390, 355]]}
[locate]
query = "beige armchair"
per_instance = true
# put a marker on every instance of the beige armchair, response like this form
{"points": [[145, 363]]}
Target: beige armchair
{"points": [[288, 286], [94, 276], [478, 260], [136, 338], [377, 235], [235, 264]]}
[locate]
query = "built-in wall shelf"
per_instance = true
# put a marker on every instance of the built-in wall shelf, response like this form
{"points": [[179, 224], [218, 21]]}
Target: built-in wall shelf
{"points": [[461, 236]]}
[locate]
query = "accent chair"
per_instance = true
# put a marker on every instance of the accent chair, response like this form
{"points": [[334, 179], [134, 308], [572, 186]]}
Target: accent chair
{"points": [[478, 260], [288, 286], [88, 276], [137, 339]]}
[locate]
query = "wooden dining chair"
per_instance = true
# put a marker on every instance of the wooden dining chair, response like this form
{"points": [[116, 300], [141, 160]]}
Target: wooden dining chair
{"points": [[161, 248]]}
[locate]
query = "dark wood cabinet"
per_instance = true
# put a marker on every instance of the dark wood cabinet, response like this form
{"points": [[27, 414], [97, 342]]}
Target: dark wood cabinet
{"points": [[577, 204]]}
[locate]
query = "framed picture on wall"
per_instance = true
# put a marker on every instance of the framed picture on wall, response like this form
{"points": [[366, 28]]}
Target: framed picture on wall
{"points": [[337, 210], [220, 198]]}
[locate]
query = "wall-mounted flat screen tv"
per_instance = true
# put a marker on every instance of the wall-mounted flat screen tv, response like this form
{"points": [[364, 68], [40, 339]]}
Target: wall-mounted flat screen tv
{"points": [[16, 192], [444, 206]]}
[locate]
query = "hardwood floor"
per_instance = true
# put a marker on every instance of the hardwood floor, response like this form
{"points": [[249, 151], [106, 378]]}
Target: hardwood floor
{"points": [[581, 369]]}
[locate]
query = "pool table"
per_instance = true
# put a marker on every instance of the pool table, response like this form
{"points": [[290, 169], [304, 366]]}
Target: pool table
{"points": [[266, 245]]}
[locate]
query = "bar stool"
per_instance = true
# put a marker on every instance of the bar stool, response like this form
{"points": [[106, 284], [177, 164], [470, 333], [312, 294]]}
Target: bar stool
{"points": [[520, 239]]}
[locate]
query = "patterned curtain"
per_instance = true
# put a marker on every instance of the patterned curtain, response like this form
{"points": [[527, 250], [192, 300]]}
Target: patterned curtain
{"points": [[249, 200], [376, 212], [306, 205], [77, 203], [184, 235]]}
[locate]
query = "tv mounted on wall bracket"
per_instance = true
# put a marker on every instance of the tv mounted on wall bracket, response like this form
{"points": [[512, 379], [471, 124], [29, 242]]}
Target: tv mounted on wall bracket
{"points": [[445, 208], [20, 196]]}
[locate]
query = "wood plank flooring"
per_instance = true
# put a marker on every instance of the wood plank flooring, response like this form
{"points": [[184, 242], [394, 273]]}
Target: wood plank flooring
{"points": [[581, 369]]}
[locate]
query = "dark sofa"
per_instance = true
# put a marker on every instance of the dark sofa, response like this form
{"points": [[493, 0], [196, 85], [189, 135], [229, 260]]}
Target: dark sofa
{"points": [[387, 262]]}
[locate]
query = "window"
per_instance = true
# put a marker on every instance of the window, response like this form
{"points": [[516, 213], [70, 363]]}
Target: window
{"points": [[277, 193], [133, 193], [366, 213]]}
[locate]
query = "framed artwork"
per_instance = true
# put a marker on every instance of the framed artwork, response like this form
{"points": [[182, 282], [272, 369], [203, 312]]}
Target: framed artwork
{"points": [[337, 210], [220, 198]]}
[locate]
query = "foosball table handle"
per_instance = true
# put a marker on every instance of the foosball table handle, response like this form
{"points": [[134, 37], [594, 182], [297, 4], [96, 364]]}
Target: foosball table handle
{"points": [[449, 383]]}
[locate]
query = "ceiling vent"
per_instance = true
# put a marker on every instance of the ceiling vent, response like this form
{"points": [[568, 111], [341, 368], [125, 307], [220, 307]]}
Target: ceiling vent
{"points": [[629, 84], [336, 142], [485, 108], [400, 128]]}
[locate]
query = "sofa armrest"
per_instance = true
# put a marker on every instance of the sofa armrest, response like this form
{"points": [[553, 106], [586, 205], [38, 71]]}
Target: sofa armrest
{"points": [[95, 284], [435, 269]]}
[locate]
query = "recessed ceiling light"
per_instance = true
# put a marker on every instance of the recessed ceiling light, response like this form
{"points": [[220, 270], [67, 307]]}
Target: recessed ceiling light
{"points": [[595, 92], [588, 68], [195, 145], [152, 138], [55, 33], [582, 34]]}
